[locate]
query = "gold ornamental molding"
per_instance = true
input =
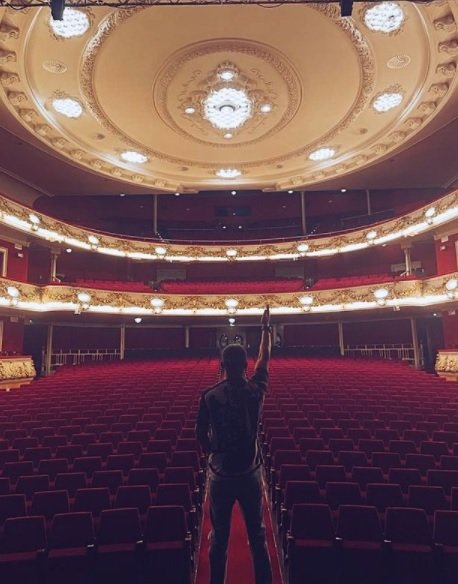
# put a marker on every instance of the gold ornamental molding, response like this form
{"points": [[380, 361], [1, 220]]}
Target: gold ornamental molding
{"points": [[431, 292], [447, 364], [16, 371], [426, 219], [277, 164]]}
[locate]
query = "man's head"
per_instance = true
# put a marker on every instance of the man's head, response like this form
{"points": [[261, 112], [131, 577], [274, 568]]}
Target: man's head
{"points": [[234, 360]]}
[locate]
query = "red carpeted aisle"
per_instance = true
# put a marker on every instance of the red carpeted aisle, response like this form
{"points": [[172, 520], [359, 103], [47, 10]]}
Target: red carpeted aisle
{"points": [[240, 569]]}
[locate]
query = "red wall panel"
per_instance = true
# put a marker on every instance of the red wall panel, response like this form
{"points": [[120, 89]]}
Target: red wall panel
{"points": [[450, 323], [446, 256], [202, 338], [307, 335], [17, 261], [13, 335], [73, 338], [154, 338], [377, 332]]}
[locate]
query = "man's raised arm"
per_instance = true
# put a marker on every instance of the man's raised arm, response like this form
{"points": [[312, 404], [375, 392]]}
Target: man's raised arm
{"points": [[266, 342]]}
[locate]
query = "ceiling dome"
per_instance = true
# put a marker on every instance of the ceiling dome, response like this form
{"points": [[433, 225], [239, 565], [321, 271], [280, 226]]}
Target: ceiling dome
{"points": [[185, 99]]}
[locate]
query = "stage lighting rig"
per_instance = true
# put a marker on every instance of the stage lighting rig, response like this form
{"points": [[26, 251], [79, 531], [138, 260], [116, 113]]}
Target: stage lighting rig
{"points": [[346, 7], [57, 9]]}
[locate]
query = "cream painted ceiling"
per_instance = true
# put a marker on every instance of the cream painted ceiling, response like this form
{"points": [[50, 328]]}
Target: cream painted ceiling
{"points": [[135, 71]]}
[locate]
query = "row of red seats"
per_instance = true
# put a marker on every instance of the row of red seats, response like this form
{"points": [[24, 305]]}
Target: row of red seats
{"points": [[359, 549], [363, 280], [119, 550], [231, 287]]}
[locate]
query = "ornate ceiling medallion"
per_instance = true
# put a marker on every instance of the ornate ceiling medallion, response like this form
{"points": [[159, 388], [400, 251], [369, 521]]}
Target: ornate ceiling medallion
{"points": [[226, 104]]}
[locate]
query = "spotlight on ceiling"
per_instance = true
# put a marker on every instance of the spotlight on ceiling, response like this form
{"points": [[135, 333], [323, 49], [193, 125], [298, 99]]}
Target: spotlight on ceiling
{"points": [[346, 7], [57, 9]]}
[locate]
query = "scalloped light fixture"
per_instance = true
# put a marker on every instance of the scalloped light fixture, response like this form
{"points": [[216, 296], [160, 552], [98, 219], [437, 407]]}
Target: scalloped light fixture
{"points": [[384, 17], [74, 24], [227, 108], [228, 173], [134, 157], [322, 154], [67, 106], [387, 101], [84, 297]]}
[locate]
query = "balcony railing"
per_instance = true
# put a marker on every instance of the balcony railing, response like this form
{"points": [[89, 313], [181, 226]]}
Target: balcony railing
{"points": [[399, 352], [82, 356]]}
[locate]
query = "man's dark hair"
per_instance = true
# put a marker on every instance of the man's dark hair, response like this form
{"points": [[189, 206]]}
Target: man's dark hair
{"points": [[234, 360]]}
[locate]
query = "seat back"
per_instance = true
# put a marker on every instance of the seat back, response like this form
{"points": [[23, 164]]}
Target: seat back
{"points": [[407, 526], [311, 521], [71, 530], [165, 523], [359, 523], [118, 526]]}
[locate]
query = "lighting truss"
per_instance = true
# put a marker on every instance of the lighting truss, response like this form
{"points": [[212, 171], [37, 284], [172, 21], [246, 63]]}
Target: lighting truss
{"points": [[20, 4]]}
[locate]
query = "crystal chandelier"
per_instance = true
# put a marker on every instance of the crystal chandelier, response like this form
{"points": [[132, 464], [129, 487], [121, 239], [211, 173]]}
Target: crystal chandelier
{"points": [[227, 108]]}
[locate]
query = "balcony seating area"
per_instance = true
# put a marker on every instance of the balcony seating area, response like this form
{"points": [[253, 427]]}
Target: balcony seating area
{"points": [[118, 285], [364, 280], [232, 287], [101, 475]]}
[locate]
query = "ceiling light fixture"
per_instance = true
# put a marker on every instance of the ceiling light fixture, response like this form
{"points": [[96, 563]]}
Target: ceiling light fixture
{"points": [[190, 110], [233, 193], [134, 157], [231, 304], [93, 240], [306, 300], [384, 17], [228, 173], [266, 108], [387, 101], [137, 320], [231, 253], [13, 291], [371, 235], [68, 107], [74, 23], [303, 247], [322, 154], [84, 297], [290, 192], [429, 214], [228, 136], [160, 251], [227, 108]]}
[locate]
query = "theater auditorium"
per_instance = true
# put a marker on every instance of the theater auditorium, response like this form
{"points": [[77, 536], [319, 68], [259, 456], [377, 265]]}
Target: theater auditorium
{"points": [[169, 169]]}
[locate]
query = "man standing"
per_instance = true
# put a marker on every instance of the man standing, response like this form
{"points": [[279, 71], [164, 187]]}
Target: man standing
{"points": [[227, 426]]}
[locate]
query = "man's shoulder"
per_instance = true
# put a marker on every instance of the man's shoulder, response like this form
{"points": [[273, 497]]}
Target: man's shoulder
{"points": [[214, 388]]}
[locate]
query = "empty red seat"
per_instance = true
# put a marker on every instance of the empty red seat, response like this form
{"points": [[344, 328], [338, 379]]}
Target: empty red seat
{"points": [[12, 506], [428, 498], [117, 558], [367, 474], [138, 496], [67, 560], [167, 544], [411, 558], [24, 542], [93, 500], [383, 495], [405, 477], [108, 478], [329, 472], [362, 544], [342, 493], [446, 534], [70, 482], [311, 548], [48, 503], [28, 485]]}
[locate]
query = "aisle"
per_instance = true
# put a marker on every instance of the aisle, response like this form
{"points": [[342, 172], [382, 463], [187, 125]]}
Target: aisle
{"points": [[240, 569]]}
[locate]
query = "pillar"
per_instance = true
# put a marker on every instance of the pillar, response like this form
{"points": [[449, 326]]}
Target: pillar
{"points": [[48, 353], [408, 259], [54, 256], [368, 202], [341, 338], [303, 214], [415, 343], [122, 342], [154, 214], [186, 337]]}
